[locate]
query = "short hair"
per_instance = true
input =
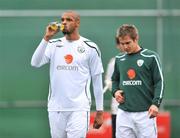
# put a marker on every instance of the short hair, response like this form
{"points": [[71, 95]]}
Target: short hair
{"points": [[127, 30], [75, 14], [117, 37]]}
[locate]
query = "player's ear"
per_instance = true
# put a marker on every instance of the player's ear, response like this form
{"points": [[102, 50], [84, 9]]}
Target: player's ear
{"points": [[77, 22], [136, 39], [117, 40]]}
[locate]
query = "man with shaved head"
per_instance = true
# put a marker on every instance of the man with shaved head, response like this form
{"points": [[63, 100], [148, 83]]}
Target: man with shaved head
{"points": [[74, 61]]}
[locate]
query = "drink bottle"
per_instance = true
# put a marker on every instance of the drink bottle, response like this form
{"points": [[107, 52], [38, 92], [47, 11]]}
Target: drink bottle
{"points": [[56, 26]]}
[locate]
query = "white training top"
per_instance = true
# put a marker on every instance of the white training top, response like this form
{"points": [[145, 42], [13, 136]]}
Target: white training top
{"points": [[72, 65], [108, 82]]}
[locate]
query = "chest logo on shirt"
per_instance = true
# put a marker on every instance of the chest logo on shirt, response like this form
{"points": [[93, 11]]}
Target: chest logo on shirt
{"points": [[131, 74], [140, 62], [68, 58], [81, 49]]}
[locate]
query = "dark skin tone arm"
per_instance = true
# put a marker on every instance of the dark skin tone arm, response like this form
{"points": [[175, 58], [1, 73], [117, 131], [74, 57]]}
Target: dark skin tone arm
{"points": [[98, 121]]}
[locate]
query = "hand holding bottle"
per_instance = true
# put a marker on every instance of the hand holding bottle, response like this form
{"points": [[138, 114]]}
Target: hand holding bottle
{"points": [[52, 29]]}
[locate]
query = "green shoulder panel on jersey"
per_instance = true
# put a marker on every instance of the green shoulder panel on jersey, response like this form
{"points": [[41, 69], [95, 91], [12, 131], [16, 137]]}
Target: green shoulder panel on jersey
{"points": [[152, 54], [55, 40], [120, 55], [149, 53], [93, 45]]}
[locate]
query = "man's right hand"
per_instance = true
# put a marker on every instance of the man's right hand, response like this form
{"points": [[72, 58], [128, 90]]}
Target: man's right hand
{"points": [[49, 33], [119, 96]]}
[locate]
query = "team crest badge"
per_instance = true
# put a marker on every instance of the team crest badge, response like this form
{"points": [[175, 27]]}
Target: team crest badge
{"points": [[81, 49], [140, 62]]}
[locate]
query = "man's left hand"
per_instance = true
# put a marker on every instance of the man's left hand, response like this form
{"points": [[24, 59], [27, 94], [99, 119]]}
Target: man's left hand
{"points": [[153, 111], [98, 121]]}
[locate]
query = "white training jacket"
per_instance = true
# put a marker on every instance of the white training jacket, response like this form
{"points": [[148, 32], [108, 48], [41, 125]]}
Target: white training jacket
{"points": [[72, 65]]}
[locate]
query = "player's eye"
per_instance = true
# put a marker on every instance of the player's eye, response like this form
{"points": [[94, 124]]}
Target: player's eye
{"points": [[69, 19], [126, 43]]}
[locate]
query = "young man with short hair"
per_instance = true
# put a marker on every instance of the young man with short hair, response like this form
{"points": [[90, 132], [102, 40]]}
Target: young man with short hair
{"points": [[138, 85]]}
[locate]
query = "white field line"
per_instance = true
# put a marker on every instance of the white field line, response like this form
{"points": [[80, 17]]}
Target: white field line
{"points": [[108, 12]]}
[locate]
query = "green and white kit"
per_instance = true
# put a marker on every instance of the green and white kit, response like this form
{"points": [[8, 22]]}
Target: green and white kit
{"points": [[139, 76]]}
